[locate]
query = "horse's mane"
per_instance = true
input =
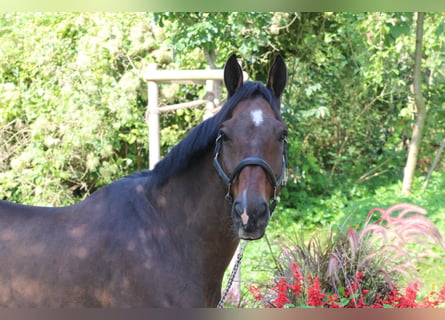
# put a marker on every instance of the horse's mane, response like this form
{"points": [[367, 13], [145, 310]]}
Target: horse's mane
{"points": [[202, 137]]}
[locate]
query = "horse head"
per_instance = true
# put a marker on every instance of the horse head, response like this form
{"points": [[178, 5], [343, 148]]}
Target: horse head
{"points": [[250, 154]]}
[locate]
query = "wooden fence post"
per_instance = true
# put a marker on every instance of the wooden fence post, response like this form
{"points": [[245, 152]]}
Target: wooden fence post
{"points": [[152, 117]]}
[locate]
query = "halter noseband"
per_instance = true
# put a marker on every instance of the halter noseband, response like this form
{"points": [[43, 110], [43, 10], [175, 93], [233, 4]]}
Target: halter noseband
{"points": [[251, 161]]}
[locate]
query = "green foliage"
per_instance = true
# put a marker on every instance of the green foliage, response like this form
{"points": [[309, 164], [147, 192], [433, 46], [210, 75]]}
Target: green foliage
{"points": [[72, 119], [349, 105], [222, 32]]}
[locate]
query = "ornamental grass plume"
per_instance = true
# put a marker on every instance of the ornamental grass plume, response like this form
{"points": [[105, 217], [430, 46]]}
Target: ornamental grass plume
{"points": [[407, 238], [364, 268]]}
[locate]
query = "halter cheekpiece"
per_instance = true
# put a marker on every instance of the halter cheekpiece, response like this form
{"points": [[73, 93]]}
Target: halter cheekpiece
{"points": [[251, 161]]}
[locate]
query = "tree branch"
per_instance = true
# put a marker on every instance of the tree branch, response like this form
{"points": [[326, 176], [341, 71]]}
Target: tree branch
{"points": [[414, 146]]}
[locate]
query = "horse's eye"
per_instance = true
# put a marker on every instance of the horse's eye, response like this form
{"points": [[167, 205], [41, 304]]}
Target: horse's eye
{"points": [[224, 137]]}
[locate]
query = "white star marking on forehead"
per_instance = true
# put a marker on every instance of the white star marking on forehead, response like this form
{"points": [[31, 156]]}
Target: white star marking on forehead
{"points": [[257, 117]]}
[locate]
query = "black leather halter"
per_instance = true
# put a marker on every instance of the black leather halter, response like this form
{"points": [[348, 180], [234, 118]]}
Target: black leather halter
{"points": [[252, 161]]}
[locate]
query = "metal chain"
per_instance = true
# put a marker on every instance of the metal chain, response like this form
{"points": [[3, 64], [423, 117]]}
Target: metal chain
{"points": [[232, 274]]}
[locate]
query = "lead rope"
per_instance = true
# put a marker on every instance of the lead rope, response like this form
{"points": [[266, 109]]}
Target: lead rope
{"points": [[232, 274]]}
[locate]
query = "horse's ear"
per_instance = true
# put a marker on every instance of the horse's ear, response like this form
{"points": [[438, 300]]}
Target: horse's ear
{"points": [[233, 75], [277, 76]]}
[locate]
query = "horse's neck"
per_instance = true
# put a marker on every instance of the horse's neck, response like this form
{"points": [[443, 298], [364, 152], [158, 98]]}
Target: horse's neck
{"points": [[194, 204], [197, 216]]}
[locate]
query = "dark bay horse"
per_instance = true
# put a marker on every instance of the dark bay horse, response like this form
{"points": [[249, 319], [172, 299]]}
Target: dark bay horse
{"points": [[159, 238]]}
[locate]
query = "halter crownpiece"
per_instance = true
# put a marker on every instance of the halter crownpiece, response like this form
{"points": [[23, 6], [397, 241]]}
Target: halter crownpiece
{"points": [[251, 161]]}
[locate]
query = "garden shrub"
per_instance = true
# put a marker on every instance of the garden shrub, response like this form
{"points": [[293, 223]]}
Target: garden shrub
{"points": [[364, 268]]}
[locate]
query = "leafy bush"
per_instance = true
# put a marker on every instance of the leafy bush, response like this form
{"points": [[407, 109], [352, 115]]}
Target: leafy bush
{"points": [[73, 118]]}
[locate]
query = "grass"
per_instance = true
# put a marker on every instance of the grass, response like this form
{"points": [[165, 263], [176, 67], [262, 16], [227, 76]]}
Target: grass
{"points": [[260, 259]]}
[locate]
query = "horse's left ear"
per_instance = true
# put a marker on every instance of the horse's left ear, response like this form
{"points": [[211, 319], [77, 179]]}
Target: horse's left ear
{"points": [[277, 76], [233, 75]]}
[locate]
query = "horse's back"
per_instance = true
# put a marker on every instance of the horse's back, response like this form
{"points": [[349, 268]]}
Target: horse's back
{"points": [[81, 255]]}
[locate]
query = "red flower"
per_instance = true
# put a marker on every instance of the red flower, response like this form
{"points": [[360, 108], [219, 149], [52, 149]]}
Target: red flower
{"points": [[442, 294], [359, 276], [297, 285], [255, 292], [315, 297], [409, 300], [332, 301], [282, 299]]}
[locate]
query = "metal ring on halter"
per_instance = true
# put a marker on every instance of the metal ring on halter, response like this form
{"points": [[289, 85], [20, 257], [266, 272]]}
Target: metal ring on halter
{"points": [[228, 195]]}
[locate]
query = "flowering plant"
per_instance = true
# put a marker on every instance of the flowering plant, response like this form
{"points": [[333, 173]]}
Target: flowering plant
{"points": [[360, 269], [301, 292]]}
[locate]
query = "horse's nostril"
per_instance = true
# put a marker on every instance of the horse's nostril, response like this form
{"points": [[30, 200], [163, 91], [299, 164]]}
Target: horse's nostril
{"points": [[238, 208], [241, 212], [261, 208]]}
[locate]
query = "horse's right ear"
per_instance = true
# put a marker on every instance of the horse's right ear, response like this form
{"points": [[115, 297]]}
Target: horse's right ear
{"points": [[233, 75], [277, 76]]}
